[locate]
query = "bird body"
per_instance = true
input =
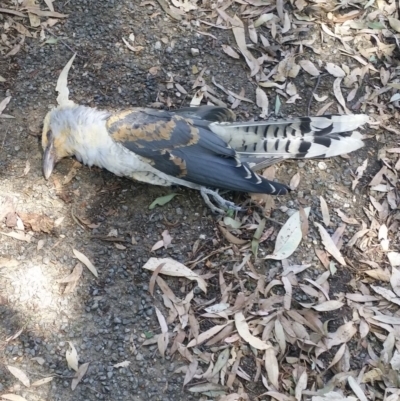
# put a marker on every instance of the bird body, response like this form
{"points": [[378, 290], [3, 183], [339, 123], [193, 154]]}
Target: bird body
{"points": [[199, 147]]}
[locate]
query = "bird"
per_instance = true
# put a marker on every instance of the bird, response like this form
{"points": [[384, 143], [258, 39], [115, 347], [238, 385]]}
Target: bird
{"points": [[201, 147]]}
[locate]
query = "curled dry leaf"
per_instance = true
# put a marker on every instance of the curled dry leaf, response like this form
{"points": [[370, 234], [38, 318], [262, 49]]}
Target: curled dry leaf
{"points": [[289, 237], [20, 375], [244, 332], [262, 102], [62, 85], [123, 364], [71, 355], [338, 93], [173, 268]]}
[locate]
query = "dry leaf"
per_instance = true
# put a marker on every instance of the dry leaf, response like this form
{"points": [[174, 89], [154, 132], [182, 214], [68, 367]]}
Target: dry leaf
{"points": [[356, 388], [173, 268], [71, 355], [301, 385], [13, 397], [19, 236], [79, 375], [4, 103], [272, 367], [206, 335], [325, 211], [244, 332], [42, 381], [262, 102], [335, 70], [37, 222], [342, 335], [328, 306], [289, 237], [62, 85], [84, 259], [20, 375], [230, 52], [8, 262], [330, 245], [163, 339], [295, 181], [309, 67]]}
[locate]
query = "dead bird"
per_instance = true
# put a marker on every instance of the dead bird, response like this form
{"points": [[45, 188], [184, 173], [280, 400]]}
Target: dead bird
{"points": [[201, 147]]}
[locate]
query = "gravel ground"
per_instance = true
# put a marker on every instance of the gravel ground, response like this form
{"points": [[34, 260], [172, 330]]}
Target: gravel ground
{"points": [[107, 319]]}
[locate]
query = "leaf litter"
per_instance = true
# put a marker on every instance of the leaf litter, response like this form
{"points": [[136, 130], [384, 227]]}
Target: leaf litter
{"points": [[262, 323]]}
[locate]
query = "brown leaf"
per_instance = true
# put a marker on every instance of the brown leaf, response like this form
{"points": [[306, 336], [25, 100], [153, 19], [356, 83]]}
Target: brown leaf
{"points": [[153, 278], [303, 222], [37, 222]]}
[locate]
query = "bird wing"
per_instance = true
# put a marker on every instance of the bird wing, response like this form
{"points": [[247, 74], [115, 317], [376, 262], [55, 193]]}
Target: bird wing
{"points": [[185, 148]]}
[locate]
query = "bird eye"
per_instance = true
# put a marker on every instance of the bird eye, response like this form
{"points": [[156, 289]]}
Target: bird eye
{"points": [[49, 135]]}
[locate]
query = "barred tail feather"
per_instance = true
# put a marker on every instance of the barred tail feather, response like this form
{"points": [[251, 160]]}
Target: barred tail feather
{"points": [[305, 137]]}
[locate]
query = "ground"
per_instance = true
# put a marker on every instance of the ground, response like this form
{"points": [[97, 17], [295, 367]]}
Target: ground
{"points": [[108, 318]]}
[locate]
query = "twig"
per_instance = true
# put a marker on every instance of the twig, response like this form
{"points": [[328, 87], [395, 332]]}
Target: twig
{"points": [[312, 94], [65, 44]]}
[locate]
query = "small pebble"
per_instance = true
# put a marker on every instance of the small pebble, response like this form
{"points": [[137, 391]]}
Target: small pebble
{"points": [[322, 166]]}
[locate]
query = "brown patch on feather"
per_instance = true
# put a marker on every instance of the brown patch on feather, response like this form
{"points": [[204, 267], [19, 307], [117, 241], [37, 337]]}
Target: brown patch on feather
{"points": [[123, 131], [181, 164]]}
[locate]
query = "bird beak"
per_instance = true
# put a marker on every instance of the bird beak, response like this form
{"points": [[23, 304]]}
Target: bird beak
{"points": [[49, 160]]}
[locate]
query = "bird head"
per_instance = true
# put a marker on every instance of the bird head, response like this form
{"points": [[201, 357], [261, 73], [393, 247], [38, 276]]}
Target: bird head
{"points": [[57, 139]]}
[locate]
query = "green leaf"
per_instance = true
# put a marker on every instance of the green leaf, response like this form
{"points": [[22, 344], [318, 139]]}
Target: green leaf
{"points": [[256, 238], [228, 221], [162, 200], [51, 41]]}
